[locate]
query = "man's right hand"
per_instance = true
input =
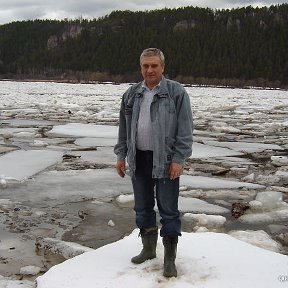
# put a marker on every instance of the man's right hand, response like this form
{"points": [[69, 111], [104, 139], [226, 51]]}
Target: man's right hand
{"points": [[121, 168]]}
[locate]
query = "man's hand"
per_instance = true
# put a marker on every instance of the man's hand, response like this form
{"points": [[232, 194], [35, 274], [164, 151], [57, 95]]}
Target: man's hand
{"points": [[121, 168], [175, 170]]}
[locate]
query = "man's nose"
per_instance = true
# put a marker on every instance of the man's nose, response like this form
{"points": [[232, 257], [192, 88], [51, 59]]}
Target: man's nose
{"points": [[150, 69]]}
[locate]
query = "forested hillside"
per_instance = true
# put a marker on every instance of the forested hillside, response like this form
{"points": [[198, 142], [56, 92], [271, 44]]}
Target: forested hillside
{"points": [[238, 47]]}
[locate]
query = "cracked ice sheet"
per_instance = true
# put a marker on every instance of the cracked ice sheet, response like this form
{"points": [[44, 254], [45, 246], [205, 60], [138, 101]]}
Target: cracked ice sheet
{"points": [[248, 147], [74, 185], [104, 133], [199, 150], [84, 130], [20, 165], [194, 205], [201, 182], [107, 133], [96, 142], [103, 155], [207, 151], [199, 264]]}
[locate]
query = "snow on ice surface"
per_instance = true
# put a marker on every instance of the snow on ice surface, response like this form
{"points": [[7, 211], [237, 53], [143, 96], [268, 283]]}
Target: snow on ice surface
{"points": [[209, 260], [21, 165]]}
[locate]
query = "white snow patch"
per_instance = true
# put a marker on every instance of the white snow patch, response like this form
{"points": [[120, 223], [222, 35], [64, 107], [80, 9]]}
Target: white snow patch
{"points": [[203, 260]]}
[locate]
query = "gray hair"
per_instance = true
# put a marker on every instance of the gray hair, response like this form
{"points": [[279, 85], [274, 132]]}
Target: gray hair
{"points": [[153, 52]]}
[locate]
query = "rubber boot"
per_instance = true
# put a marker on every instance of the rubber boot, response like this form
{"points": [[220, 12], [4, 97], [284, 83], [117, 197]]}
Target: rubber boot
{"points": [[149, 240], [170, 250]]}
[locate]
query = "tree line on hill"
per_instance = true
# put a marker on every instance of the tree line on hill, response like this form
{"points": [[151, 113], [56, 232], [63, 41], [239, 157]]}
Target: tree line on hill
{"points": [[238, 47]]}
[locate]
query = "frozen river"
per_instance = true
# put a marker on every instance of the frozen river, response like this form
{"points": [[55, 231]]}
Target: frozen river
{"points": [[57, 177]]}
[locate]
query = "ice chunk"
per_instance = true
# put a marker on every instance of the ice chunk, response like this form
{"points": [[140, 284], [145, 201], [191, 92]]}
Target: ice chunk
{"points": [[125, 200], [200, 182], [208, 221], [248, 147], [6, 282], [199, 206], [208, 151], [258, 238], [84, 130], [279, 160], [111, 223], [66, 249], [269, 200], [22, 164], [30, 270], [269, 208]]}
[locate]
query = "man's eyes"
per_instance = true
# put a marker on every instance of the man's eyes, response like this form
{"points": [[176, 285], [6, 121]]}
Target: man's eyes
{"points": [[152, 66]]}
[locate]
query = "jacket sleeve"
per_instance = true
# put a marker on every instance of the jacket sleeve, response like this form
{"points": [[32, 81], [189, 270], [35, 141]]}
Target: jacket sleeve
{"points": [[184, 135], [120, 149]]}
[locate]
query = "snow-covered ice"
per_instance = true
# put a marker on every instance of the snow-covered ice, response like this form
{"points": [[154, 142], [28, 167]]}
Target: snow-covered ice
{"points": [[209, 260]]}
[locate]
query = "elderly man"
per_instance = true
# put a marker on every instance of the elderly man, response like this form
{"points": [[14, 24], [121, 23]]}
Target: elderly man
{"points": [[155, 137]]}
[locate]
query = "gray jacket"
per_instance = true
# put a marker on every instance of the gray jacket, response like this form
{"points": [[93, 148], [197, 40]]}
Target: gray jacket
{"points": [[171, 118]]}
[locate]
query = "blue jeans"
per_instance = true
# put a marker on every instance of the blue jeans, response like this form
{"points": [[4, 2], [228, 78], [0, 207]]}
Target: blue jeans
{"points": [[167, 194]]}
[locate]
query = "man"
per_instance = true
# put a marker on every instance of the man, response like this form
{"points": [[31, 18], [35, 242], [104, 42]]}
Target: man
{"points": [[155, 136]]}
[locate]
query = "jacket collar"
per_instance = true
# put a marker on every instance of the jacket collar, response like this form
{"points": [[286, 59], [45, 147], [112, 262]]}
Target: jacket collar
{"points": [[163, 90]]}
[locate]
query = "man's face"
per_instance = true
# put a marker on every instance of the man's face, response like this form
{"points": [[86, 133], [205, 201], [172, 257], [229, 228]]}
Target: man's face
{"points": [[152, 70]]}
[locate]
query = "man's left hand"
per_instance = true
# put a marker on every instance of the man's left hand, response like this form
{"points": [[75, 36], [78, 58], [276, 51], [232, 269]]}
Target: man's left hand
{"points": [[175, 170]]}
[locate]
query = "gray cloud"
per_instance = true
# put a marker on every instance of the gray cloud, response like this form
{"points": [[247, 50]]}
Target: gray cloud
{"points": [[13, 10]]}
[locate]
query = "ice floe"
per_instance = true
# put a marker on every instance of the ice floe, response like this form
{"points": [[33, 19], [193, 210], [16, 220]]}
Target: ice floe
{"points": [[20, 165]]}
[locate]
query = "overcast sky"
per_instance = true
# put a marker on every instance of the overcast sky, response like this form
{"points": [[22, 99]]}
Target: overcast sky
{"points": [[14, 10]]}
